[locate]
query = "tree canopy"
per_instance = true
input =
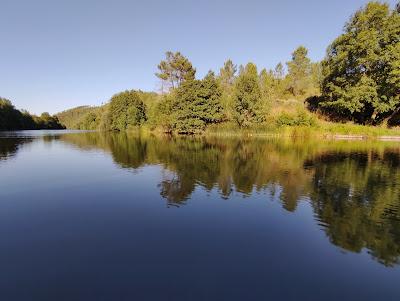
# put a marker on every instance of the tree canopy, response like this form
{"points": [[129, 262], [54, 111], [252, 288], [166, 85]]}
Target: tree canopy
{"points": [[299, 77], [227, 74], [361, 72], [126, 110], [195, 104], [248, 97], [175, 69]]}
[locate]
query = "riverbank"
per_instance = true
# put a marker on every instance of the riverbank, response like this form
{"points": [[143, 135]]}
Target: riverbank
{"points": [[321, 129], [327, 130]]}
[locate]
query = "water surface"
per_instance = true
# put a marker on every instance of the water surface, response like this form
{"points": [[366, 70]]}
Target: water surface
{"points": [[101, 216]]}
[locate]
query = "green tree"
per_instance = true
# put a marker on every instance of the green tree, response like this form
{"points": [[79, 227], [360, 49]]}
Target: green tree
{"points": [[227, 74], [163, 111], [13, 119], [9, 118], [279, 71], [195, 104], [299, 72], [211, 93], [126, 110], [316, 76], [268, 84], [248, 97], [226, 78], [174, 70], [279, 75], [361, 69]]}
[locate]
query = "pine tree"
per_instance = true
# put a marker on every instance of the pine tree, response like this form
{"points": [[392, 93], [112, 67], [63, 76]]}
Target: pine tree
{"points": [[227, 74], [299, 72], [248, 97], [195, 104], [174, 70]]}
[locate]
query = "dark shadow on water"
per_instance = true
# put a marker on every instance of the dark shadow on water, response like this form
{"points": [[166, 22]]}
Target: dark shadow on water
{"points": [[10, 146]]}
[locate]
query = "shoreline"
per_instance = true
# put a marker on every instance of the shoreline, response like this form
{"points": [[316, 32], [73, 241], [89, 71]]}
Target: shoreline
{"points": [[324, 136], [294, 132]]}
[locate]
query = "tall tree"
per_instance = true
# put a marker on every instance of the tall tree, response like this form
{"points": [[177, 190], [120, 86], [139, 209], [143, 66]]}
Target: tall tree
{"points": [[279, 83], [226, 78], [272, 83], [268, 84], [227, 74], [361, 72], [211, 93], [279, 71], [299, 71], [195, 104], [248, 97], [174, 70]]}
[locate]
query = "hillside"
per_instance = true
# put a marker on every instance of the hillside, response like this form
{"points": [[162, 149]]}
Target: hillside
{"points": [[82, 117]]}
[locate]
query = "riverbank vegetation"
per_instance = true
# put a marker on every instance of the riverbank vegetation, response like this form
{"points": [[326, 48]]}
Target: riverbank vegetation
{"points": [[358, 83], [13, 119]]}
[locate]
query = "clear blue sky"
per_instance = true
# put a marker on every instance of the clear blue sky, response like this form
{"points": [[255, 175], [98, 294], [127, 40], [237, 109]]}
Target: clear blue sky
{"points": [[56, 55]]}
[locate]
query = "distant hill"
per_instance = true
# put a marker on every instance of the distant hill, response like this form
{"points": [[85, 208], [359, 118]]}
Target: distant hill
{"points": [[121, 109], [82, 117]]}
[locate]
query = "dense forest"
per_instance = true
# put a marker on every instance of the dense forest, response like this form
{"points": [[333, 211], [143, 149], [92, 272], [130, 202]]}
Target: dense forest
{"points": [[13, 119], [358, 81]]}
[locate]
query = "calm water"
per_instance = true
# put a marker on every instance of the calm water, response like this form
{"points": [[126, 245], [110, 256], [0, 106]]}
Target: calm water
{"points": [[92, 216]]}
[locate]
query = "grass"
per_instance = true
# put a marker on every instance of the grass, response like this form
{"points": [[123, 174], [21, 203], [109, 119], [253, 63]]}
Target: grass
{"points": [[320, 129]]}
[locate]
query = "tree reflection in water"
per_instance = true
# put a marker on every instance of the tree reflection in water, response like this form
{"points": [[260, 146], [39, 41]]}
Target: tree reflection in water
{"points": [[9, 146], [353, 187]]}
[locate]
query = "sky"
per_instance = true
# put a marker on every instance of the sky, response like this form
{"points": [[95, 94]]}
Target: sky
{"points": [[56, 55]]}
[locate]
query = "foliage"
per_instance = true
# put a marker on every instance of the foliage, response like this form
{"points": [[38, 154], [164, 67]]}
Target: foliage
{"points": [[76, 118], [175, 69], [299, 119], [227, 74], [358, 81], [248, 97], [46, 121], [361, 71], [126, 110], [299, 78], [13, 119], [195, 104], [190, 104], [226, 79], [267, 84]]}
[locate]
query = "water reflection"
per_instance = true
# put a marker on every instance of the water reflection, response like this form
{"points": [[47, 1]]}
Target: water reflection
{"points": [[10, 146], [356, 197], [353, 187]]}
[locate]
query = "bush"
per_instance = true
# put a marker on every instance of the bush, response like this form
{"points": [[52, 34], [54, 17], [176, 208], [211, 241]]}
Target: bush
{"points": [[297, 119]]}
